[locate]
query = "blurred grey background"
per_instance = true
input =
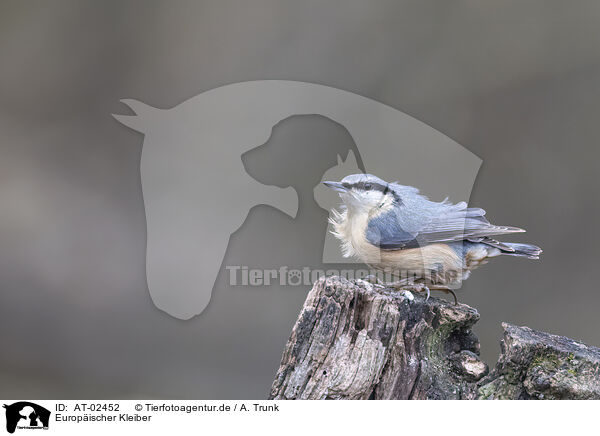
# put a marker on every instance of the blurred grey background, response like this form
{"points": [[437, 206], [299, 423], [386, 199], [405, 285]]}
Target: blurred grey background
{"points": [[516, 83]]}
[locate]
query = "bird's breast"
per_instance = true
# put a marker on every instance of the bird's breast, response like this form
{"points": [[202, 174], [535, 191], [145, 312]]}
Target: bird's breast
{"points": [[351, 231]]}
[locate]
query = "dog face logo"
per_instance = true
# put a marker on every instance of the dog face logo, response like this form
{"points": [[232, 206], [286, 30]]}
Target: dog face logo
{"points": [[197, 191], [26, 415]]}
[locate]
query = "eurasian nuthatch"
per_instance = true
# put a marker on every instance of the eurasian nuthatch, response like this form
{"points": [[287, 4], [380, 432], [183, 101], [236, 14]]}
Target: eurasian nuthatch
{"points": [[428, 245]]}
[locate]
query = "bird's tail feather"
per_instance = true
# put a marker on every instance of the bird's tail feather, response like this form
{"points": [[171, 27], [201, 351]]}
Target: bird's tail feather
{"points": [[522, 250]]}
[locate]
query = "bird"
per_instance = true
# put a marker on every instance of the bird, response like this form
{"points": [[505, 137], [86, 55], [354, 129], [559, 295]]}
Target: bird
{"points": [[427, 245]]}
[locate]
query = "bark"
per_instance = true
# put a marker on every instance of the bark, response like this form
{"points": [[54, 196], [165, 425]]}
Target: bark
{"points": [[538, 365], [356, 340]]}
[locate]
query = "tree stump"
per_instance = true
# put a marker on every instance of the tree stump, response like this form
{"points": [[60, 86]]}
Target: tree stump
{"points": [[538, 365], [357, 340]]}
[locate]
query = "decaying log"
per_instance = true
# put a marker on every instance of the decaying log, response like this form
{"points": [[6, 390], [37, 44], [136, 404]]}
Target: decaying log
{"points": [[356, 340], [538, 365]]}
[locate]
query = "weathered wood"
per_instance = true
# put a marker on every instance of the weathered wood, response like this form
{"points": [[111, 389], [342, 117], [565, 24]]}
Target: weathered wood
{"points": [[356, 340], [538, 365]]}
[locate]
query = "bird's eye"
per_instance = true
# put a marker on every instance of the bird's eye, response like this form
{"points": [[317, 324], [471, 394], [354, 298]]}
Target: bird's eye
{"points": [[368, 186]]}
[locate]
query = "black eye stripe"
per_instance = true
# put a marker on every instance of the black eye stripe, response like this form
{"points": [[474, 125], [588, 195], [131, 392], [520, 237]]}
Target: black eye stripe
{"points": [[385, 189], [367, 186]]}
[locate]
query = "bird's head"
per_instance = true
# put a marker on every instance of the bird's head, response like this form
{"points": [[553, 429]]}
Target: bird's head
{"points": [[363, 192]]}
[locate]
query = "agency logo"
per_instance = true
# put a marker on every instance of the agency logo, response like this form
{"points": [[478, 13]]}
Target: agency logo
{"points": [[25, 415], [198, 190]]}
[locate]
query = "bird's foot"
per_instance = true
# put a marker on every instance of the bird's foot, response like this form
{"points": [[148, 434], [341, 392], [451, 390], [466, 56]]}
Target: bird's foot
{"points": [[415, 287], [446, 290], [372, 279], [422, 287]]}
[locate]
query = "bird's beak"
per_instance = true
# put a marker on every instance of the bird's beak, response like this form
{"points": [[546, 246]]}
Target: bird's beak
{"points": [[336, 186]]}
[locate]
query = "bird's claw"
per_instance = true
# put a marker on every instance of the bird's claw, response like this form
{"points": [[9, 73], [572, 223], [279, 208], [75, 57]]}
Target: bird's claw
{"points": [[416, 287], [372, 279], [421, 287]]}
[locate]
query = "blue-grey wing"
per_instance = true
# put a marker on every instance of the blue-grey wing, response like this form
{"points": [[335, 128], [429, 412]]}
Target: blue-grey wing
{"points": [[396, 229], [385, 232]]}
